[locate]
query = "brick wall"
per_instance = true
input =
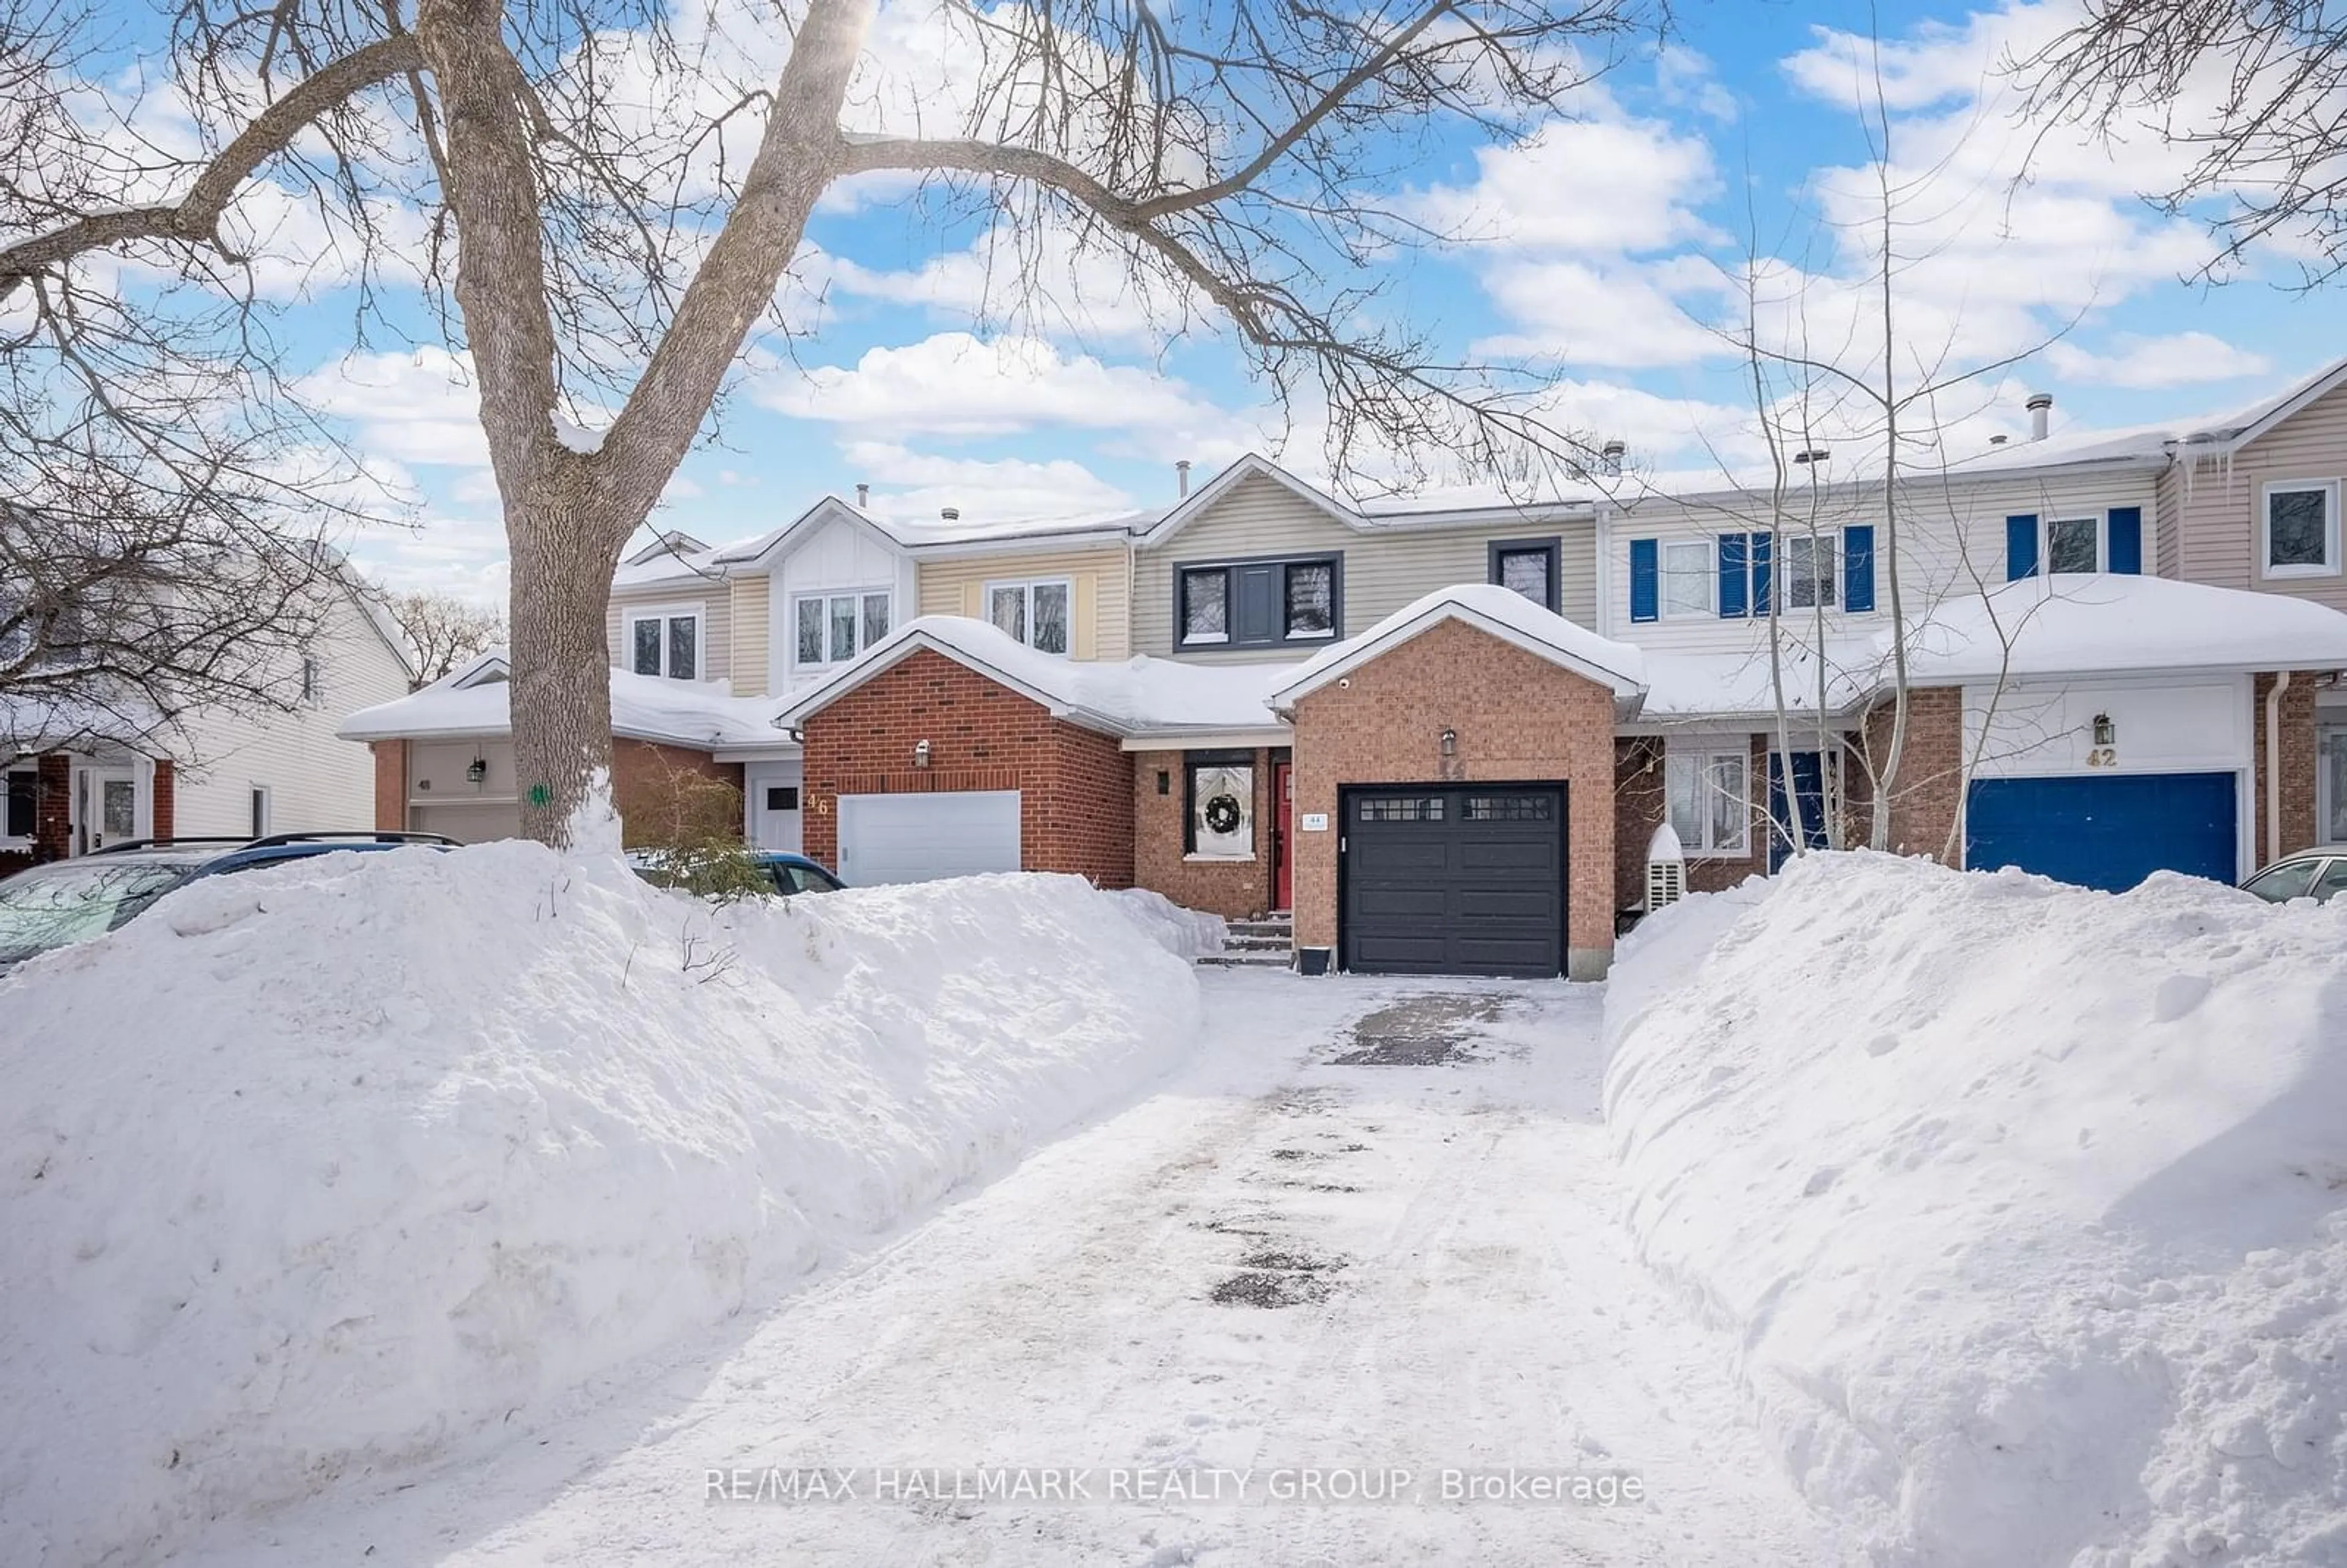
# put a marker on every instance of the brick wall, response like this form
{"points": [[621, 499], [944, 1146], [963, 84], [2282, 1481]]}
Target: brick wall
{"points": [[654, 787], [1235, 888], [1640, 803], [1075, 785], [53, 812], [2298, 763], [163, 811], [390, 785], [1516, 718], [1928, 792]]}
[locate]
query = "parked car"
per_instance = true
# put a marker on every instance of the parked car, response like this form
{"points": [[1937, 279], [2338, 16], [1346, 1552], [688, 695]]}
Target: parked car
{"points": [[791, 873], [67, 901], [2314, 874]]}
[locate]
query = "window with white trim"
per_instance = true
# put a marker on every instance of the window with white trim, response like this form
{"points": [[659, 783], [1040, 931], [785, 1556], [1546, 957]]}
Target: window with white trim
{"points": [[1807, 577], [20, 796], [1709, 795], [834, 628], [666, 641], [2298, 530], [1690, 579], [2071, 544], [1034, 613]]}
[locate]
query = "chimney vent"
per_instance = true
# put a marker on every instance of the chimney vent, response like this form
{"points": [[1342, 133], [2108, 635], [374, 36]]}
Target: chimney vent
{"points": [[1998, 440], [1610, 458], [863, 497], [1182, 477], [2041, 410], [950, 514]]}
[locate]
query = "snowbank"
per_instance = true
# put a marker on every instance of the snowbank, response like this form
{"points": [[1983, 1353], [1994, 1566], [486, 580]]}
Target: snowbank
{"points": [[2027, 1205], [1185, 933], [307, 1173]]}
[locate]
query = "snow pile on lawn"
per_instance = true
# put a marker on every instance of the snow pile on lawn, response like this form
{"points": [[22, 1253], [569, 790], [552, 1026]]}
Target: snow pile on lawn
{"points": [[307, 1173], [1185, 933], [2028, 1205]]}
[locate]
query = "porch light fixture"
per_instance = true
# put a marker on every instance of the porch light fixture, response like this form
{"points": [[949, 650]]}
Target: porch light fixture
{"points": [[1450, 742], [920, 753], [477, 770], [2106, 732]]}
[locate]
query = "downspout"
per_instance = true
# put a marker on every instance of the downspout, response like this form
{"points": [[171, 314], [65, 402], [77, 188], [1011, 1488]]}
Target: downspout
{"points": [[1601, 563], [2273, 768]]}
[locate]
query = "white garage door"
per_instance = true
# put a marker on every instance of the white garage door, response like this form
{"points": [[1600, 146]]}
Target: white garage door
{"points": [[921, 837]]}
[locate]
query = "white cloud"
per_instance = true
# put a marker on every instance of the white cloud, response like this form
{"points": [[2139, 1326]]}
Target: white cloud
{"points": [[916, 486], [2178, 359], [1621, 314], [952, 383], [419, 407], [1585, 186], [1685, 79], [1041, 284]]}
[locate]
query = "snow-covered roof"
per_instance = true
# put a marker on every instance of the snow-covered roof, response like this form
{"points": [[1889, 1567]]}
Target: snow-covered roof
{"points": [[2065, 625], [1500, 612], [475, 701], [1140, 696]]}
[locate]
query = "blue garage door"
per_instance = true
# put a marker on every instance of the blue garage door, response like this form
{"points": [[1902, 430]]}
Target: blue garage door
{"points": [[2107, 831]]}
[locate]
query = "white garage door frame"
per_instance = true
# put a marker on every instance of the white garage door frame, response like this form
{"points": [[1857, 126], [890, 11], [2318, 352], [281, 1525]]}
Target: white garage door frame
{"points": [[926, 835]]}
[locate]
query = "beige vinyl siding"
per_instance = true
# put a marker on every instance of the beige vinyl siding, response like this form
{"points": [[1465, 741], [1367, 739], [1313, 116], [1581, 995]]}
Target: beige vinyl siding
{"points": [[747, 607], [1950, 544], [2218, 502], [1099, 619], [1384, 569], [717, 621]]}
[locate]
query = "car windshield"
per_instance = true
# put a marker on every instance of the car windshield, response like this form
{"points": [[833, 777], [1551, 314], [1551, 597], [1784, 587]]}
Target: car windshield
{"points": [[53, 906], [2288, 880]]}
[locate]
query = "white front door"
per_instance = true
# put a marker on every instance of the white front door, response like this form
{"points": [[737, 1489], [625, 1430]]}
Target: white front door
{"points": [[105, 808], [922, 837], [771, 795]]}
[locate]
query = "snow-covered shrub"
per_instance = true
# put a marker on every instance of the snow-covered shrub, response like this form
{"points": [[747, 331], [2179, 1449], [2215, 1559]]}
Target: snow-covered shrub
{"points": [[2027, 1206], [305, 1175]]}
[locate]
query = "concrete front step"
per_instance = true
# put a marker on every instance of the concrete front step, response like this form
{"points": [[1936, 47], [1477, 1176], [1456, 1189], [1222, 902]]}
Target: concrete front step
{"points": [[1260, 928], [1258, 944], [1235, 958]]}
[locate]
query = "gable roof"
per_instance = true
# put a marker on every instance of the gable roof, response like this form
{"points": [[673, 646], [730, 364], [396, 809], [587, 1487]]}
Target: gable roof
{"points": [[1138, 696], [1501, 613], [2244, 425]]}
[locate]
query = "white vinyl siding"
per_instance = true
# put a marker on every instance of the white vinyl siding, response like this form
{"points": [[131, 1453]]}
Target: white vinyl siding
{"points": [[1384, 569]]}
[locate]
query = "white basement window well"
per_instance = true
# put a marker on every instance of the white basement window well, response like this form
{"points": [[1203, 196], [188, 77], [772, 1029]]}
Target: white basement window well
{"points": [[2297, 528], [834, 628], [1035, 613], [1709, 795], [1688, 578], [666, 641]]}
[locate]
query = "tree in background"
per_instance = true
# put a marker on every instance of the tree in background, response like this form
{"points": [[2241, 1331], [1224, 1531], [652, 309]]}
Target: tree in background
{"points": [[444, 632], [604, 197], [2252, 87]]}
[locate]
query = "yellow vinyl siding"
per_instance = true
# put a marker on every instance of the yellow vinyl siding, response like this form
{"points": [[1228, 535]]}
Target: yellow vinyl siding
{"points": [[1384, 569], [1098, 607], [750, 636]]}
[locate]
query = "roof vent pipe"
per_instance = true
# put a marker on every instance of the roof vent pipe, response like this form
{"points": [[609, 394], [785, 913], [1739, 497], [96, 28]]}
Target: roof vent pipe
{"points": [[1998, 440], [2041, 409], [1609, 462], [1182, 477], [950, 514], [863, 497]]}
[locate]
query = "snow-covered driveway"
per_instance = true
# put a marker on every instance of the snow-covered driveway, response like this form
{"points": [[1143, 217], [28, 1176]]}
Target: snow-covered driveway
{"points": [[1282, 1259]]}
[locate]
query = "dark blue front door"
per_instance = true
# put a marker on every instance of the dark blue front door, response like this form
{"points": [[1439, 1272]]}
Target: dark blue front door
{"points": [[2108, 831], [1809, 790]]}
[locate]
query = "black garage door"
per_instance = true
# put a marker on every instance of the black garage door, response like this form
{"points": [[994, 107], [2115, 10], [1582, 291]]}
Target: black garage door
{"points": [[1442, 879]]}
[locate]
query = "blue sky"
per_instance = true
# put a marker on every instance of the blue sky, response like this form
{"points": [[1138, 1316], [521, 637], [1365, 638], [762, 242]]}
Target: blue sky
{"points": [[1598, 256]]}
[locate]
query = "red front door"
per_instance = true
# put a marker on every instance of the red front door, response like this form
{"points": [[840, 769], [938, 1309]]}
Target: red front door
{"points": [[1282, 824]]}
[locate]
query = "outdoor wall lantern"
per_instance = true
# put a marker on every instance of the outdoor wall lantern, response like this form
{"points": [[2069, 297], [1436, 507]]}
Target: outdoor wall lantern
{"points": [[2106, 732], [1450, 742], [477, 770], [920, 753]]}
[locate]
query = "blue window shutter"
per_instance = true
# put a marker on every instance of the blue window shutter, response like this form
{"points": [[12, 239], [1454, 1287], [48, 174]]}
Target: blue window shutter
{"points": [[1858, 567], [2127, 540], [1645, 580], [1762, 548], [1733, 580], [2020, 545]]}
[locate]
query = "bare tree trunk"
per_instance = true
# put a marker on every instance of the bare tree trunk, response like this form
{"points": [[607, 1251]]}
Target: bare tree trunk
{"points": [[561, 701]]}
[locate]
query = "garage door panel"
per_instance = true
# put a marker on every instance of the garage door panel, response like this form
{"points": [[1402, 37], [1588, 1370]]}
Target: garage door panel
{"points": [[2107, 831], [1450, 879], [922, 837]]}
